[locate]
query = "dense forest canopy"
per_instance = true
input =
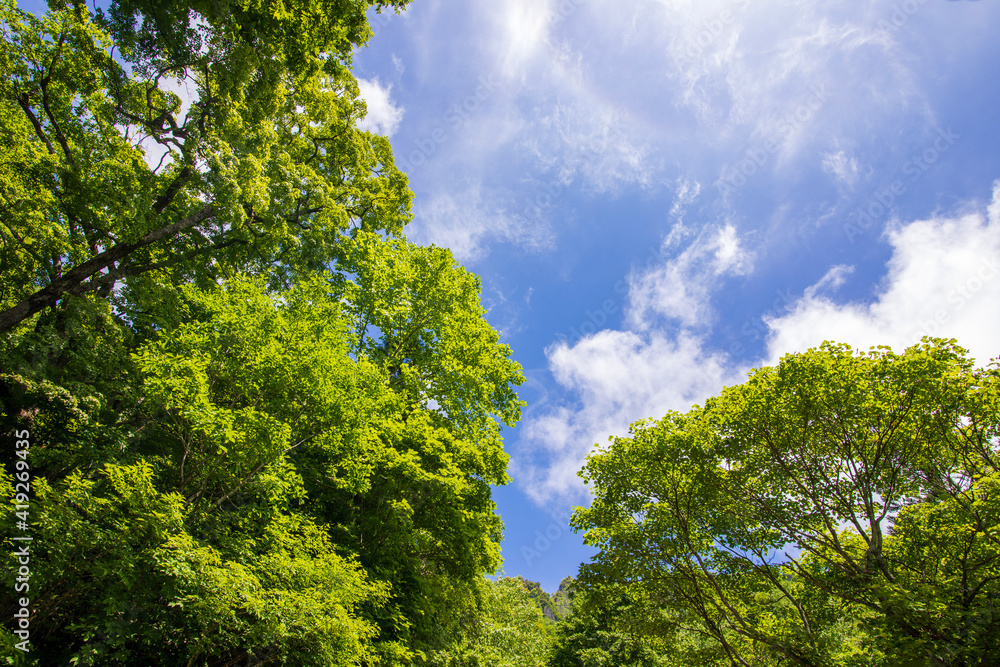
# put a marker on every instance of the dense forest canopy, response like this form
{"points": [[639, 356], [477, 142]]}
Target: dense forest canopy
{"points": [[261, 427]]}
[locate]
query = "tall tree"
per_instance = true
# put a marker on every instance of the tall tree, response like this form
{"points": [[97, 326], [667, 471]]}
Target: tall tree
{"points": [[840, 508], [264, 425], [601, 631], [504, 629], [257, 446]]}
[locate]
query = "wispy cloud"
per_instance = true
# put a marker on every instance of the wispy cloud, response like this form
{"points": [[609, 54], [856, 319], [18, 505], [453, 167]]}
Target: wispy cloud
{"points": [[842, 168], [522, 30], [686, 193], [603, 98], [680, 290], [468, 222], [830, 281]]}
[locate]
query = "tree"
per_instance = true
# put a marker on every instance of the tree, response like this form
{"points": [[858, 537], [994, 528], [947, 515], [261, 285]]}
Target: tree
{"points": [[541, 599], [505, 629], [121, 577], [840, 508], [108, 175], [601, 631], [264, 425], [555, 607], [257, 446]]}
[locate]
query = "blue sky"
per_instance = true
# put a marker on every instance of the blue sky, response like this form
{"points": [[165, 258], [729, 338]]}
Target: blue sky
{"points": [[661, 195]]}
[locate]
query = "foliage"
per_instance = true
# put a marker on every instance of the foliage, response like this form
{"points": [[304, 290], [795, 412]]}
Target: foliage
{"points": [[273, 494], [264, 425], [838, 509], [541, 599], [122, 574], [555, 607], [562, 599], [505, 629], [601, 632], [108, 174]]}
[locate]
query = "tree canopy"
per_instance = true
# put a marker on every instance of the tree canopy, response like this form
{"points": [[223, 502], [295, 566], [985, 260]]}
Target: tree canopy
{"points": [[264, 425], [258, 165], [838, 509]]}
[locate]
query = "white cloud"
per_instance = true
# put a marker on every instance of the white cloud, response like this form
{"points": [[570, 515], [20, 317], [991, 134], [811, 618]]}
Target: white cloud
{"points": [[620, 376], [681, 289], [722, 77], [600, 96], [595, 146], [833, 279], [943, 280], [467, 221], [537, 116], [383, 116], [523, 28], [687, 192]]}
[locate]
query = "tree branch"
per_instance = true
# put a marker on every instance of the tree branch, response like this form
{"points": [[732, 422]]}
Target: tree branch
{"points": [[78, 274], [24, 102]]}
